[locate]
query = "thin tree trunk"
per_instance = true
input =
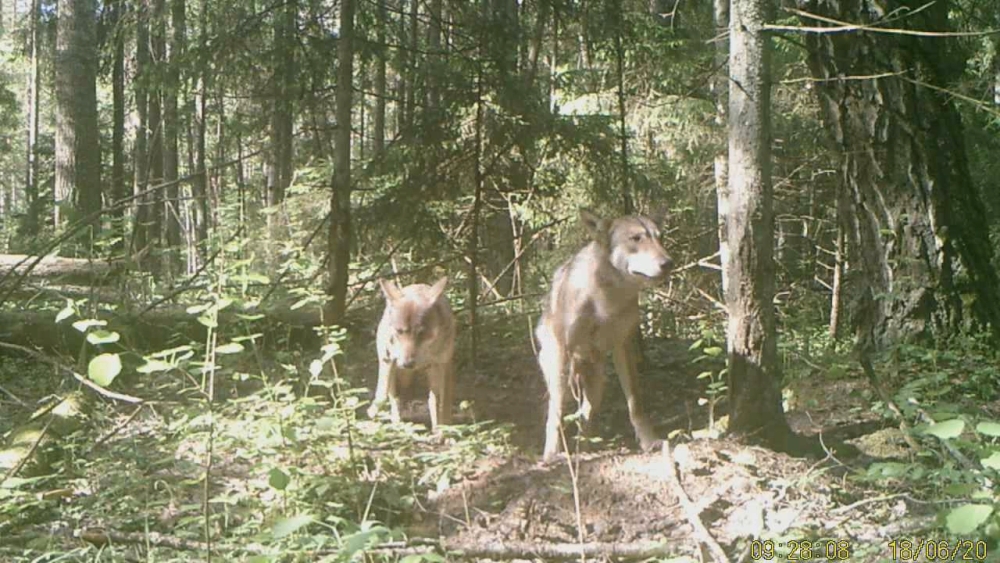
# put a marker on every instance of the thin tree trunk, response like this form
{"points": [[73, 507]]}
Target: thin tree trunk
{"points": [[755, 400], [436, 57], [171, 128], [33, 215], [157, 60], [411, 69], [720, 89], [119, 189], [839, 264], [78, 156], [282, 113], [380, 90], [199, 184], [339, 242], [628, 206], [141, 233], [473, 243]]}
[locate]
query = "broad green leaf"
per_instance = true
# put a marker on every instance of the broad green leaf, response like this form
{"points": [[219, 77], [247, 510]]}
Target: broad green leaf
{"points": [[992, 462], [988, 428], [66, 312], [230, 348], [947, 429], [278, 479], [291, 525], [713, 351], [103, 337], [208, 321], [104, 369], [965, 519]]}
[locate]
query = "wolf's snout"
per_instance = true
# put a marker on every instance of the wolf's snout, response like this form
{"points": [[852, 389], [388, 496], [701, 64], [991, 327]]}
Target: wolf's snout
{"points": [[666, 265], [407, 363]]}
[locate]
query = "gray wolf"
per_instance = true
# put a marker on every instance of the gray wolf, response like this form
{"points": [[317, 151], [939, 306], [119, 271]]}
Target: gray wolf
{"points": [[416, 336], [593, 307]]}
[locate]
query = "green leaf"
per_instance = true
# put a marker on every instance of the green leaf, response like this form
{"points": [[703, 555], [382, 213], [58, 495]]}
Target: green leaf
{"points": [[713, 351], [83, 325], [947, 429], [103, 337], [988, 428], [104, 369], [992, 462], [66, 312], [231, 348], [965, 519], [153, 366], [208, 321], [287, 526], [358, 541], [278, 479]]}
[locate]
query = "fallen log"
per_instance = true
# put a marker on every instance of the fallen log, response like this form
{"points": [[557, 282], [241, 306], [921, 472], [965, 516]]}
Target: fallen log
{"points": [[56, 267]]}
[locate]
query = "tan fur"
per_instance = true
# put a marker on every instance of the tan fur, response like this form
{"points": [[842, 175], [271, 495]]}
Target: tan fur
{"points": [[416, 336], [593, 308]]}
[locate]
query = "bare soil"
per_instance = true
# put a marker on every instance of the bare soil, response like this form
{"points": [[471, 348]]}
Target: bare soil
{"points": [[624, 496]]}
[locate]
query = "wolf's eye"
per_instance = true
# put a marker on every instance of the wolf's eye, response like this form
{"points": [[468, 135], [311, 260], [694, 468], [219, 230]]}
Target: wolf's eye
{"points": [[400, 330], [636, 238]]}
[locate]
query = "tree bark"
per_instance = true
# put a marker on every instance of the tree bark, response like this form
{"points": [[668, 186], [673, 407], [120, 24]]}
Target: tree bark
{"points": [[119, 190], [720, 89], [157, 58], [754, 398], [199, 185], [78, 155], [282, 111], [381, 56], [339, 241], [919, 220], [32, 217], [171, 125], [141, 90]]}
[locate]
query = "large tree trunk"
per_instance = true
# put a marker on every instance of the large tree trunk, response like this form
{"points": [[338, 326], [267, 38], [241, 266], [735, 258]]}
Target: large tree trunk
{"points": [[78, 155], [754, 398], [919, 222], [32, 217], [339, 241]]}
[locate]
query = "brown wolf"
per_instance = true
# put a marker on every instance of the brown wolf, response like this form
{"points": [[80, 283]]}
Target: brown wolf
{"points": [[416, 335], [593, 307]]}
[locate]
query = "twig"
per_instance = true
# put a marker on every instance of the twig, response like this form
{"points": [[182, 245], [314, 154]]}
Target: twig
{"points": [[31, 451], [13, 396], [55, 363], [690, 511], [117, 429]]}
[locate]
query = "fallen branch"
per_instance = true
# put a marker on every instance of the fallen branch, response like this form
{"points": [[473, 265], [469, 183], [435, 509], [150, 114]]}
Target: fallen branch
{"points": [[690, 511], [55, 363], [416, 546]]}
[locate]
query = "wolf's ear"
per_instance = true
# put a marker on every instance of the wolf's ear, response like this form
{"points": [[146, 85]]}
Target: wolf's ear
{"points": [[438, 288], [390, 290], [596, 226]]}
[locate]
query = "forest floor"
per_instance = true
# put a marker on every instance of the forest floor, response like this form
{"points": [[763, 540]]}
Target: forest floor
{"points": [[483, 486]]}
